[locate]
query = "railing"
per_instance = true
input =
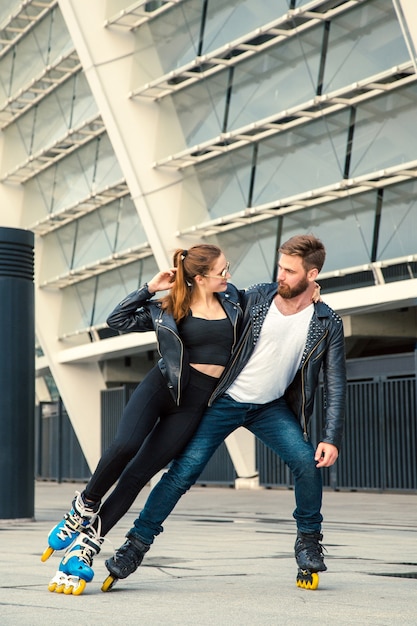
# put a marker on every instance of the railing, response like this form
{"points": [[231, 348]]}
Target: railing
{"points": [[379, 446], [378, 450]]}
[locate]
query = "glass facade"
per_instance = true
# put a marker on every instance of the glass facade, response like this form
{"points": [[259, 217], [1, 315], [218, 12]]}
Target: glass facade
{"points": [[242, 123]]}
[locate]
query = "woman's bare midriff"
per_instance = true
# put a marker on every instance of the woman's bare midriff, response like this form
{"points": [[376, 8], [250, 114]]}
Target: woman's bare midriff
{"points": [[211, 370]]}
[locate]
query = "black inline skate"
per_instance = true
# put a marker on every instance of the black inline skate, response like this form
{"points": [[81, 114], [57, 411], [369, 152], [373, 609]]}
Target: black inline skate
{"points": [[125, 561], [310, 560]]}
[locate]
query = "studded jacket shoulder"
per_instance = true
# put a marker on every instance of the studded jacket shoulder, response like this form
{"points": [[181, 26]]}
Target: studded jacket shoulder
{"points": [[324, 351]]}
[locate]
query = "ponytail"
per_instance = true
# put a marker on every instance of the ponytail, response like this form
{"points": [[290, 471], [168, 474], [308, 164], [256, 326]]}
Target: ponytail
{"points": [[189, 263]]}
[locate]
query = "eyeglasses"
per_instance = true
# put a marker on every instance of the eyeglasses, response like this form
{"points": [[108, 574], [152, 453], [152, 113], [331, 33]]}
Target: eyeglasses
{"points": [[222, 274]]}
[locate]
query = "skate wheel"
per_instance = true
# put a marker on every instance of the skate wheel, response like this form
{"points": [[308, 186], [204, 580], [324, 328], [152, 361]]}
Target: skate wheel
{"points": [[307, 580], [75, 587], [58, 582], [45, 556], [109, 583]]}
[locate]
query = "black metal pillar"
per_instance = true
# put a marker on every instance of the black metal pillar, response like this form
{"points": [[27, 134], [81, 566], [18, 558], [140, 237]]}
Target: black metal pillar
{"points": [[17, 374]]}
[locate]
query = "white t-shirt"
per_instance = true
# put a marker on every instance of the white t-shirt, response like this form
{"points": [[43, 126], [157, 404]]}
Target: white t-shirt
{"points": [[276, 357]]}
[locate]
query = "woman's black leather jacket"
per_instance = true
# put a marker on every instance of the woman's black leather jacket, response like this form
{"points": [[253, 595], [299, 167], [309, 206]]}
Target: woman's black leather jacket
{"points": [[324, 349], [138, 312]]}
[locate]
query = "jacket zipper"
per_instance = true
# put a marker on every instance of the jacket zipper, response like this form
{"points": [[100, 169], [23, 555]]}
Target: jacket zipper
{"points": [[181, 359], [234, 324]]}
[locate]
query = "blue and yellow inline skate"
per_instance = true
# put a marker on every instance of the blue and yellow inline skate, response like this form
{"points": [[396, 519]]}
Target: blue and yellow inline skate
{"points": [[65, 532], [75, 569]]}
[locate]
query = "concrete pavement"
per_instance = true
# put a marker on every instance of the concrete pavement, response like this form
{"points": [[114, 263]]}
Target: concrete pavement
{"points": [[226, 557]]}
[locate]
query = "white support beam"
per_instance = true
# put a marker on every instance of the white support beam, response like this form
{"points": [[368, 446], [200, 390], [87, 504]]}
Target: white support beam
{"points": [[107, 56], [79, 383], [139, 13], [407, 16], [113, 347], [241, 446], [134, 128], [376, 298]]}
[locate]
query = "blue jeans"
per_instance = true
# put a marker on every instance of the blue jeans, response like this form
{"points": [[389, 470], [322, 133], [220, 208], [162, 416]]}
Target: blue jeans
{"points": [[275, 425]]}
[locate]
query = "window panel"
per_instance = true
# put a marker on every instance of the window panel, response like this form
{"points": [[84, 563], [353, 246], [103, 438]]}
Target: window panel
{"points": [[176, 35], [263, 85], [275, 80], [201, 108], [6, 73], [398, 228], [306, 158], [91, 168], [92, 242], [99, 236], [130, 232], [346, 228], [41, 46], [57, 253], [169, 42], [362, 42], [44, 43], [60, 42], [90, 239], [8, 8], [115, 285], [230, 20], [251, 252], [107, 168], [77, 306], [66, 108], [225, 182], [89, 302], [385, 132]]}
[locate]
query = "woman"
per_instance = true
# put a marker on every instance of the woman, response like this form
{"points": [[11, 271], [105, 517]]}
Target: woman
{"points": [[196, 329]]}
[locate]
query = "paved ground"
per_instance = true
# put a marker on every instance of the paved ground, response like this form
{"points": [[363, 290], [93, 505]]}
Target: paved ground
{"points": [[226, 558]]}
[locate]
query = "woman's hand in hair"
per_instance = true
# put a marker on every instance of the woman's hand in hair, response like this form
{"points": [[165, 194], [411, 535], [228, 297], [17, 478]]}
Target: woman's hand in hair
{"points": [[316, 295], [162, 280]]}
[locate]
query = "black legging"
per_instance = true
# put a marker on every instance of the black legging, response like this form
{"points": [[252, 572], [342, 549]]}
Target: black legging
{"points": [[152, 431]]}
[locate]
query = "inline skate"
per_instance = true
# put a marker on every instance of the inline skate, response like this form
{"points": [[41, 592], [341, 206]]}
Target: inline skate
{"points": [[75, 569], [310, 560], [63, 534], [125, 561]]}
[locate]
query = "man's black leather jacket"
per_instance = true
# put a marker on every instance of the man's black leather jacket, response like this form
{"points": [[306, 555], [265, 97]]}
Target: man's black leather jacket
{"points": [[138, 312], [325, 348]]}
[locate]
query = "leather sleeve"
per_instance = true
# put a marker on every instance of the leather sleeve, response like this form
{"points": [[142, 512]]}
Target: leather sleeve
{"points": [[132, 313], [334, 371]]}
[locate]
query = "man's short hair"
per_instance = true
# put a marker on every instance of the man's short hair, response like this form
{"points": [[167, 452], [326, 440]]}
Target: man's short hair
{"points": [[308, 247]]}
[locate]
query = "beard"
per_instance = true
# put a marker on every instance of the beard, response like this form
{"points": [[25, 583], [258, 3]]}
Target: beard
{"points": [[287, 292]]}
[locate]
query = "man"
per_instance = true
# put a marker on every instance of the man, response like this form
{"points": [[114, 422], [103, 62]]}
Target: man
{"points": [[268, 388]]}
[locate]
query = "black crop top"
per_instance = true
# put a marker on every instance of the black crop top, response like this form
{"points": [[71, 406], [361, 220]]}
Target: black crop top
{"points": [[207, 341]]}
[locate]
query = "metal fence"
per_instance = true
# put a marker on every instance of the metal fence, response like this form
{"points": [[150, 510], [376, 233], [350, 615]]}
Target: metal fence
{"points": [[58, 455], [378, 450], [379, 445], [113, 402]]}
